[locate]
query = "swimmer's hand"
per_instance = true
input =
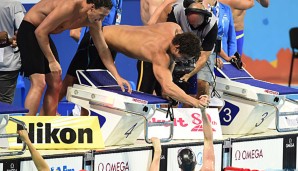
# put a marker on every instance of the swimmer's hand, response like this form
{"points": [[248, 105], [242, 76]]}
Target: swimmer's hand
{"points": [[185, 77], [204, 101], [55, 67], [156, 145], [219, 63], [124, 83]]}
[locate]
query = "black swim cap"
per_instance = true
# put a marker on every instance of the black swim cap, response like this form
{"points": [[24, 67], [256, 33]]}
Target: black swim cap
{"points": [[186, 159]]}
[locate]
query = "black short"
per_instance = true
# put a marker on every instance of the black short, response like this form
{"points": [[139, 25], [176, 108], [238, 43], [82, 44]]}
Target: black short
{"points": [[147, 82], [33, 59], [86, 57]]}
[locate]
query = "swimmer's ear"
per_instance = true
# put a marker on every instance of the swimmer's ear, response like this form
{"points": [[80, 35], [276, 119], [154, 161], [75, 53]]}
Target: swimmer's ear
{"points": [[92, 7], [177, 48]]}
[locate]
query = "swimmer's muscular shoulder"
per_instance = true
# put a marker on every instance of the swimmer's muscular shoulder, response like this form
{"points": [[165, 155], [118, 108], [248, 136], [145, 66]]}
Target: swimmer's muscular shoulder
{"points": [[174, 28], [49, 6], [167, 28], [155, 52], [43, 8]]}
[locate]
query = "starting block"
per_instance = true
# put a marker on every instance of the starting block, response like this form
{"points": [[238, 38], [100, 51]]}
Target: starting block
{"points": [[5, 111], [122, 116], [250, 105]]}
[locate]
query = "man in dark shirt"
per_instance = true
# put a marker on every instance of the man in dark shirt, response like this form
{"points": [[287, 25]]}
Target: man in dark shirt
{"points": [[192, 18]]}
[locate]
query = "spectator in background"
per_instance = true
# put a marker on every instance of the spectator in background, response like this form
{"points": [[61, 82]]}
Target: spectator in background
{"points": [[87, 56], [226, 29], [39, 162], [11, 15], [239, 8]]}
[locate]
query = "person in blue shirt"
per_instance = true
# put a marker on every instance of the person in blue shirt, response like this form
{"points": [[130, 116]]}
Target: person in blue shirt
{"points": [[226, 29], [86, 56]]}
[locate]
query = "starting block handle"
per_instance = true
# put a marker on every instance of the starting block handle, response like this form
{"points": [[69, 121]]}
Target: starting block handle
{"points": [[169, 123], [13, 153], [288, 113], [283, 114], [8, 135], [277, 120]]}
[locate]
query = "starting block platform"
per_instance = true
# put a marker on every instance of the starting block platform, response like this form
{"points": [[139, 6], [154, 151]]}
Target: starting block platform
{"points": [[123, 116], [5, 111], [250, 105]]}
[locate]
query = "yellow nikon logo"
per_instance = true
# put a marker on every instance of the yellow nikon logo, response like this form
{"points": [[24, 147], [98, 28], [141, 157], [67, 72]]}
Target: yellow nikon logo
{"points": [[66, 135]]}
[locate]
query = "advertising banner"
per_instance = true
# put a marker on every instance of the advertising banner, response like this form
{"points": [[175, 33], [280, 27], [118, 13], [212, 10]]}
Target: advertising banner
{"points": [[258, 154], [124, 161], [289, 152], [57, 164], [11, 165], [174, 161], [188, 124], [59, 132]]}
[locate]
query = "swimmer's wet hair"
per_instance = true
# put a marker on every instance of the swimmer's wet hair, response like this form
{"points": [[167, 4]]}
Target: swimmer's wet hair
{"points": [[189, 44], [101, 3]]}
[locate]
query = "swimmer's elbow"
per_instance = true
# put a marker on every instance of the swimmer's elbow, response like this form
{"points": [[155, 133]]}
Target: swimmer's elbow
{"points": [[39, 33]]}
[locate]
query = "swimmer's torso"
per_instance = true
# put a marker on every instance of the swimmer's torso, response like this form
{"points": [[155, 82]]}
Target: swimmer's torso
{"points": [[140, 41], [45, 9], [238, 16]]}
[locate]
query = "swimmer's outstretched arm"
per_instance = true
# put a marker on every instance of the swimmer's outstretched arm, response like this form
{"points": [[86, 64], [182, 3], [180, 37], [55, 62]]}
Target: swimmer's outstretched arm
{"points": [[105, 54]]}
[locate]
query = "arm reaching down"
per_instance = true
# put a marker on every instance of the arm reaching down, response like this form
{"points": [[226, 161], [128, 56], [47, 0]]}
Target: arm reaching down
{"points": [[105, 55], [164, 76]]}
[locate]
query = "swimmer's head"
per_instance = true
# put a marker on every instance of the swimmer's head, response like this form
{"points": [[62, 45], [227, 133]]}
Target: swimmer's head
{"points": [[186, 46], [186, 159], [99, 10], [101, 3]]}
